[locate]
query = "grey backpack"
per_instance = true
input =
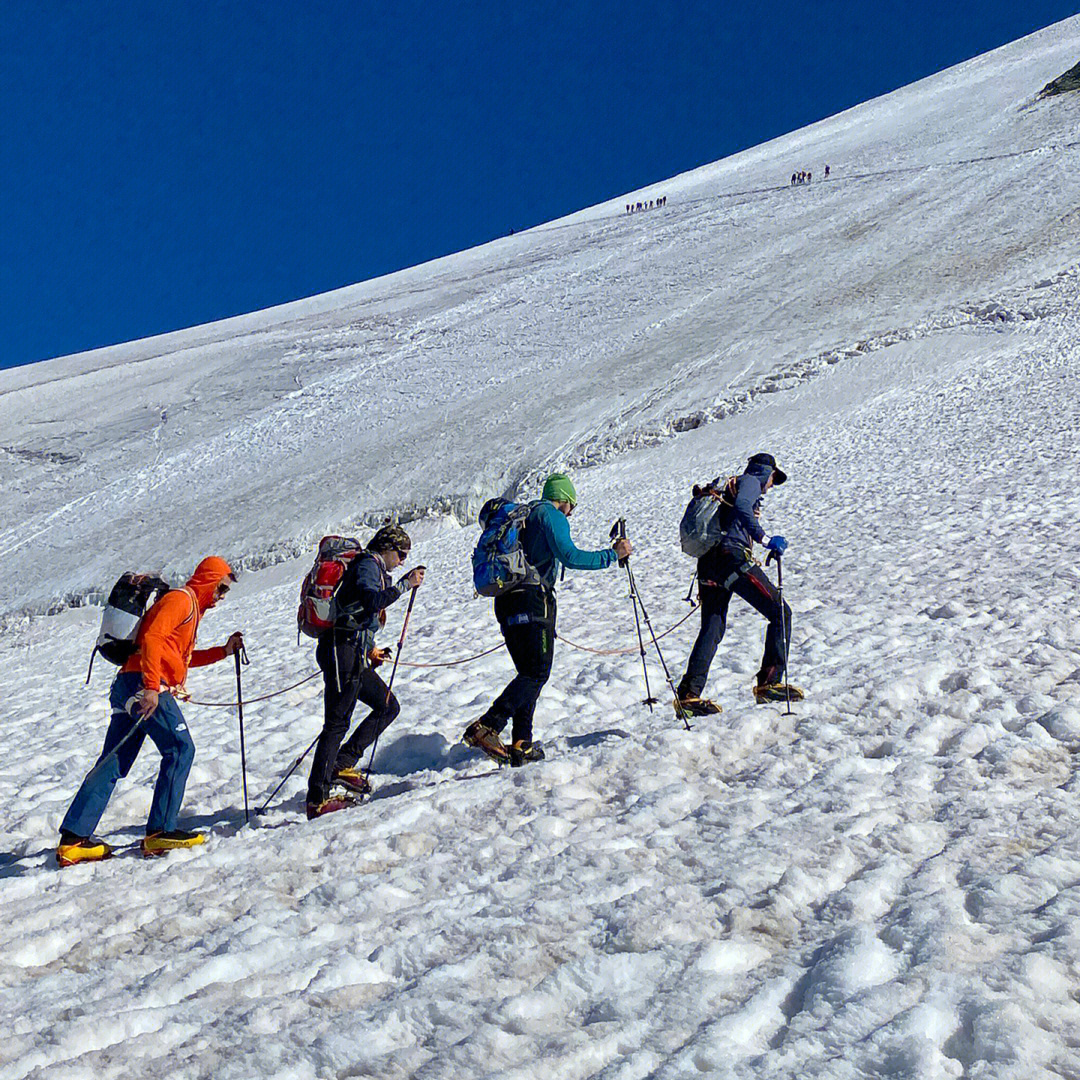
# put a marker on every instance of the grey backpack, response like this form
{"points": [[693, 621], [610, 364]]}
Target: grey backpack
{"points": [[707, 516]]}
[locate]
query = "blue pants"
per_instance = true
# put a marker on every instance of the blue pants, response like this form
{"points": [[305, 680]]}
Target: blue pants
{"points": [[168, 732]]}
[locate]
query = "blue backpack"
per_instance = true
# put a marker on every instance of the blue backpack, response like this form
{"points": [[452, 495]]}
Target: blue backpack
{"points": [[499, 563]]}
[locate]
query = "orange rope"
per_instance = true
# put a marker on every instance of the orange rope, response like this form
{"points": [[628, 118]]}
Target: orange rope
{"points": [[452, 663]]}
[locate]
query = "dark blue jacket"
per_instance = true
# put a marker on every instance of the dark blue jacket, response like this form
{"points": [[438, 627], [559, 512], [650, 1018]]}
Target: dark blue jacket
{"points": [[744, 527], [364, 591], [547, 545]]}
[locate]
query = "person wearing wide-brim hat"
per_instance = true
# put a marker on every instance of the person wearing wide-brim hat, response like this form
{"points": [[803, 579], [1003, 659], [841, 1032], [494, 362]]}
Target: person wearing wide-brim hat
{"points": [[729, 568]]}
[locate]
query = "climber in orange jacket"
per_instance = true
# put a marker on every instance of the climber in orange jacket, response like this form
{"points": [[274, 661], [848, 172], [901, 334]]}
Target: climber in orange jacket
{"points": [[143, 699]]}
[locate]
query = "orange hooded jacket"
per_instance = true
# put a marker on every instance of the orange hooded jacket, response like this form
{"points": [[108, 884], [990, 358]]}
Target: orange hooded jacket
{"points": [[166, 640]]}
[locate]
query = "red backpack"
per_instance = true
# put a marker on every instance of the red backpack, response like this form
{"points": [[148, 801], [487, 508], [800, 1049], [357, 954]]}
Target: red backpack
{"points": [[318, 610]]}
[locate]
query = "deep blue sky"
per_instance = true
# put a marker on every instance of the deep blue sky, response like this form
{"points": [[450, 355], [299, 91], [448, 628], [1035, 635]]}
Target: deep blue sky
{"points": [[164, 164]]}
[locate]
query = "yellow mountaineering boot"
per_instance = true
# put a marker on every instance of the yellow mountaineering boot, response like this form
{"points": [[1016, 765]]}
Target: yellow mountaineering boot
{"points": [[330, 806], [487, 739], [354, 780], [159, 843], [77, 849]]}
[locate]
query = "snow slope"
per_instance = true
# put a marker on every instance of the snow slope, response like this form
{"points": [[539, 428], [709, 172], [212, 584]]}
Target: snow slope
{"points": [[558, 346], [885, 884]]}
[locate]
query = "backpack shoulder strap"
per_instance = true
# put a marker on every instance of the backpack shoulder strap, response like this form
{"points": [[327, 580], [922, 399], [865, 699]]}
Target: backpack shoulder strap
{"points": [[195, 613]]}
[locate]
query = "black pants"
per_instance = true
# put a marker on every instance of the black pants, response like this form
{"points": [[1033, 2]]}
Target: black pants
{"points": [[347, 679], [754, 586], [527, 620]]}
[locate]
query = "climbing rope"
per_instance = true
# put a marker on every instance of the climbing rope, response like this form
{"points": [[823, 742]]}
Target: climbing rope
{"points": [[252, 700], [454, 663], [437, 664], [623, 652]]}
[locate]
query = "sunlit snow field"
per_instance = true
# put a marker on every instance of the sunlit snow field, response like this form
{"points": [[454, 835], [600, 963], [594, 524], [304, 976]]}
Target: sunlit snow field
{"points": [[884, 884]]}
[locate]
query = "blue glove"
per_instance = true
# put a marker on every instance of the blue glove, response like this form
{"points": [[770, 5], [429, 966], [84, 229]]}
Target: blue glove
{"points": [[777, 544]]}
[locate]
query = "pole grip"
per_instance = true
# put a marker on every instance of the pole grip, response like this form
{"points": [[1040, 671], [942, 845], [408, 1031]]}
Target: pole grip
{"points": [[618, 532]]}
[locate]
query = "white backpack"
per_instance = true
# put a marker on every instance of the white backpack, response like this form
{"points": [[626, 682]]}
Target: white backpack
{"points": [[128, 602]]}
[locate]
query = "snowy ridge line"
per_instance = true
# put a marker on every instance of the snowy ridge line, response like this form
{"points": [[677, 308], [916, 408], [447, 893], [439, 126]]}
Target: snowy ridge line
{"points": [[127, 354], [872, 174], [299, 319], [990, 313]]}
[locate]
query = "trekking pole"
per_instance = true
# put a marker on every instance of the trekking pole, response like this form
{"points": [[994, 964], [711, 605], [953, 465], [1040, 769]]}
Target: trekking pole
{"points": [[618, 532], [242, 658], [679, 710], [136, 728], [783, 622], [260, 810], [689, 597], [393, 671]]}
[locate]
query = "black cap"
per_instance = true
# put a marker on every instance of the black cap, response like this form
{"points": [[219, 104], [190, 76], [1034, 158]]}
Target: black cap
{"points": [[779, 476]]}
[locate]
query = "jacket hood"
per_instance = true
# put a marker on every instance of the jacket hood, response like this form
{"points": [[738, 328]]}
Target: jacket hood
{"points": [[759, 470], [764, 466], [208, 575]]}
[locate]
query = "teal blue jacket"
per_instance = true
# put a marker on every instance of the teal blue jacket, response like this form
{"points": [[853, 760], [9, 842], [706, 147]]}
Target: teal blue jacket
{"points": [[548, 546]]}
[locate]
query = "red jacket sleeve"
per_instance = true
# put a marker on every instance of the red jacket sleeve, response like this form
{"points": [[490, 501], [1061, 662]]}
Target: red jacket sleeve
{"points": [[202, 657]]}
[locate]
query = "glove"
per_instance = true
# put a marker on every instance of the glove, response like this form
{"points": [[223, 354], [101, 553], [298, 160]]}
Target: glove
{"points": [[145, 702], [777, 544], [378, 656]]}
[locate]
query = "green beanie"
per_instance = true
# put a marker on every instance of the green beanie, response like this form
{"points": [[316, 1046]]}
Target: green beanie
{"points": [[557, 488]]}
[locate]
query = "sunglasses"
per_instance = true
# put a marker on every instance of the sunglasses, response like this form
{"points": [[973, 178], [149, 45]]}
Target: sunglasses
{"points": [[403, 555]]}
